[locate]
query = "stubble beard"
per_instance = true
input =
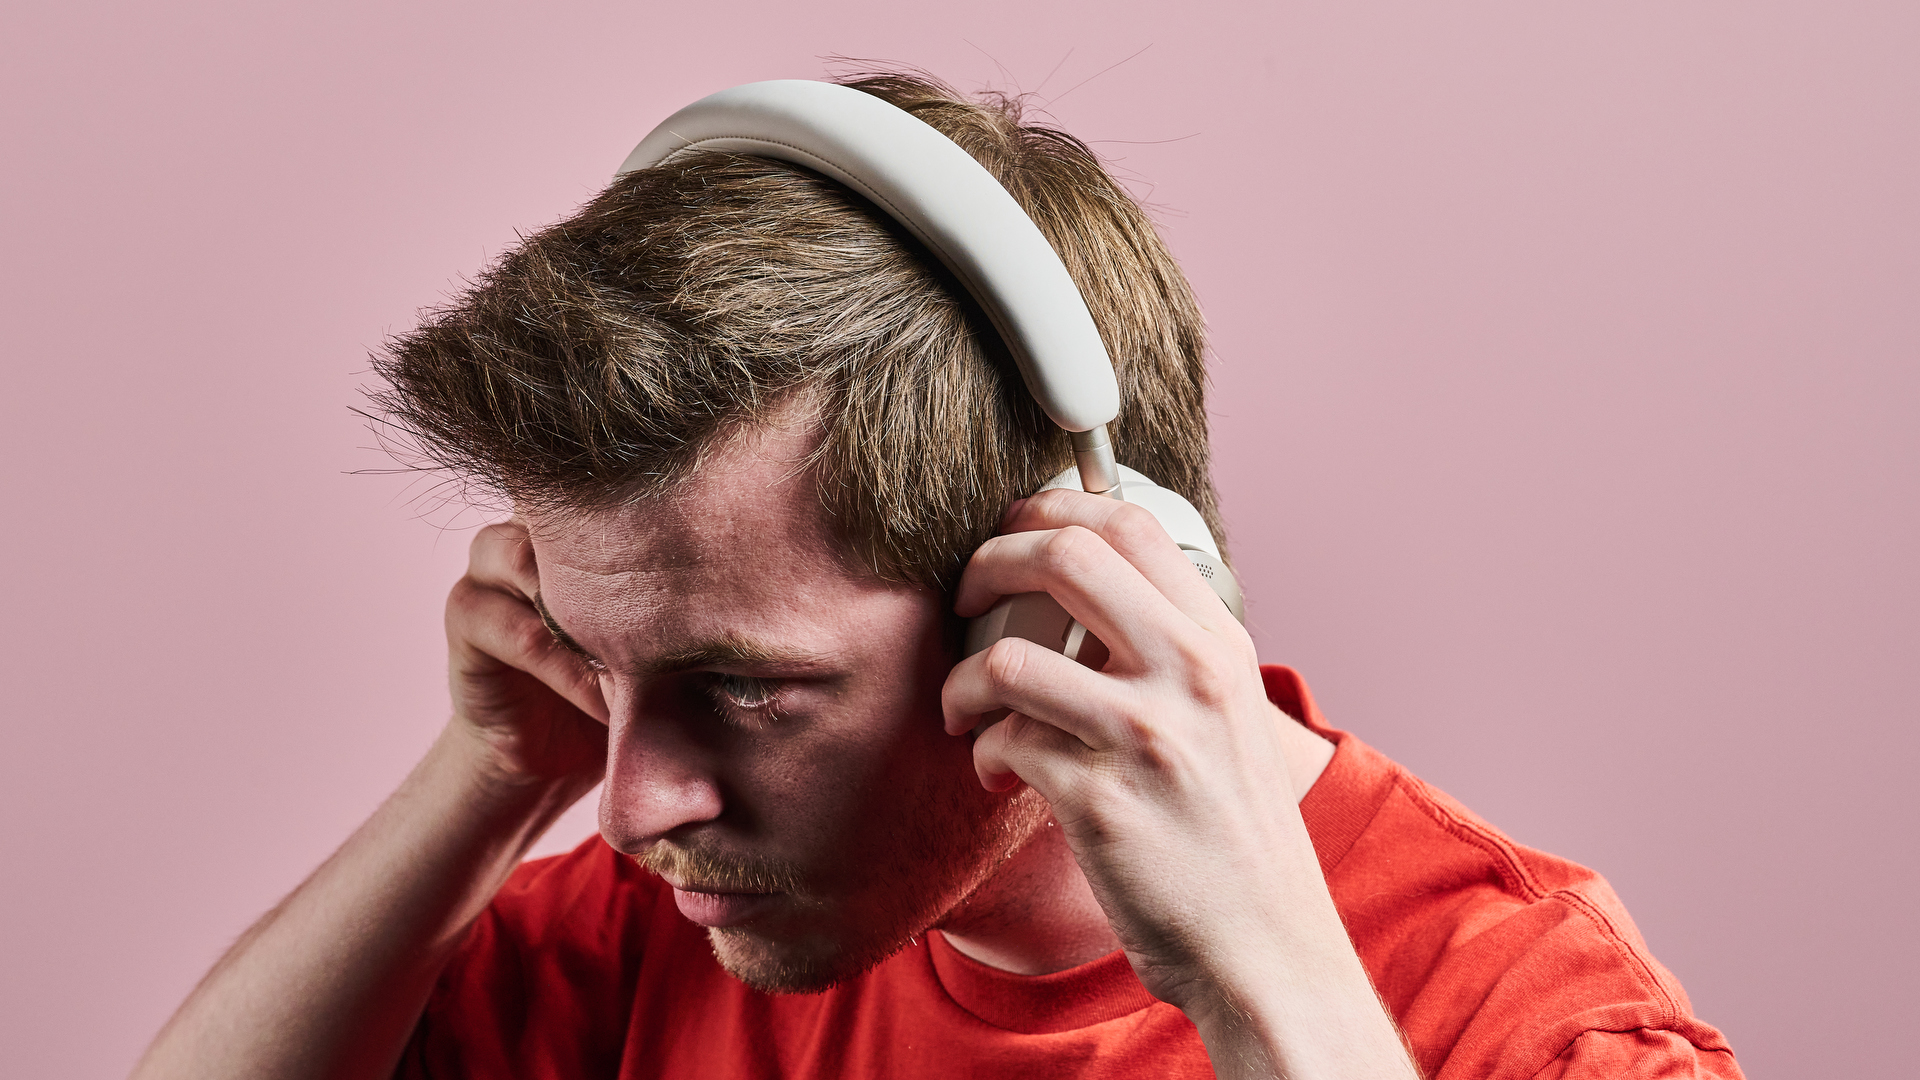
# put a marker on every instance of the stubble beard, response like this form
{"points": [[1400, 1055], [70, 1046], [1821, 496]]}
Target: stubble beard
{"points": [[954, 853]]}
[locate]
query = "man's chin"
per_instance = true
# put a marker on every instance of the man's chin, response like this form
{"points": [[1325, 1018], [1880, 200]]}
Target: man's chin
{"points": [[814, 945], [811, 966]]}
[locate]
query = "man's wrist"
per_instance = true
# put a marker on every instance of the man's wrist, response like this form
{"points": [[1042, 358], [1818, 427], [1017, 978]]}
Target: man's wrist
{"points": [[1307, 1020], [483, 781]]}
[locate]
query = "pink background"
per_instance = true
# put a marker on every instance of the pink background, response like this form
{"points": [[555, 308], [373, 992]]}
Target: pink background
{"points": [[1566, 400]]}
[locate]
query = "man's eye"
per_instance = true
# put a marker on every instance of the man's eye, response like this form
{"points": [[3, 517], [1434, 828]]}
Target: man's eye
{"points": [[746, 692]]}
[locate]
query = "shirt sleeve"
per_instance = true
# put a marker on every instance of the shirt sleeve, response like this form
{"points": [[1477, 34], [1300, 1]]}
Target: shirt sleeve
{"points": [[1642, 1054]]}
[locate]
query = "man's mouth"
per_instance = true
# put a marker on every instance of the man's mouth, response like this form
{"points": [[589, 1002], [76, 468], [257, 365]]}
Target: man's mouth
{"points": [[721, 908]]}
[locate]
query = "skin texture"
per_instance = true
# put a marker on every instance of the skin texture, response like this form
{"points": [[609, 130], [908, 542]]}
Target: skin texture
{"points": [[1168, 771], [828, 787], [769, 721]]}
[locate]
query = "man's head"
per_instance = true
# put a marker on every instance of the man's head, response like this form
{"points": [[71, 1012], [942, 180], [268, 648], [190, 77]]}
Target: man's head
{"points": [[757, 432], [775, 749], [598, 362]]}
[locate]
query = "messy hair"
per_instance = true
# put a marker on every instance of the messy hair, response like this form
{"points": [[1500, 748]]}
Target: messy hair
{"points": [[597, 362]]}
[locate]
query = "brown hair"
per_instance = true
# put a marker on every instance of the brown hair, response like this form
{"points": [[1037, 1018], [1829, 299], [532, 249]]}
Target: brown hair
{"points": [[597, 361]]}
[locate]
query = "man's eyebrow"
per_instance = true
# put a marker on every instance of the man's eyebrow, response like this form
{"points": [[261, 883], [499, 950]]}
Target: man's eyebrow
{"points": [[553, 627], [732, 650], [728, 650]]}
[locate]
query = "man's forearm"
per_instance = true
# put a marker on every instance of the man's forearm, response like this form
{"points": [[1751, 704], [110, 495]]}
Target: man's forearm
{"points": [[331, 981], [1295, 1001], [1332, 1029]]}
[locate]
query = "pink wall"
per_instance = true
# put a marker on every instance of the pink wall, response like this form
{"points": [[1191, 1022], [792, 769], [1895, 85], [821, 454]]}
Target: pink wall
{"points": [[1566, 395]]}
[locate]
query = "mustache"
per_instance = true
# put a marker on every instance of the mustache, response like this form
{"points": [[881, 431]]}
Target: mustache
{"points": [[708, 871]]}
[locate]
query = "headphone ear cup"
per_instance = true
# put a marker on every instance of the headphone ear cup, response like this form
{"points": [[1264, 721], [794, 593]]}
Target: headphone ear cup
{"points": [[1040, 619], [1224, 584]]}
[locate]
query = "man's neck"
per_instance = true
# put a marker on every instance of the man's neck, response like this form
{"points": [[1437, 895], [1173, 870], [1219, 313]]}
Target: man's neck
{"points": [[1038, 915]]}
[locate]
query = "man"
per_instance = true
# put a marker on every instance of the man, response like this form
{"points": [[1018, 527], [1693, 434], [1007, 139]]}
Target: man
{"points": [[764, 457]]}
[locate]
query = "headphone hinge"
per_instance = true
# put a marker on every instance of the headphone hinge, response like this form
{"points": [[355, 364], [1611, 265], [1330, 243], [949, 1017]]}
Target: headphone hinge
{"points": [[1099, 471]]}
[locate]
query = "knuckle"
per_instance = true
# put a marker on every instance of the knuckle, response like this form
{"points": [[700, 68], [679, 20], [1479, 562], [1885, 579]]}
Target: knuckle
{"points": [[501, 543], [1210, 677], [1134, 524], [1016, 733], [1157, 750], [1145, 738], [463, 598], [1006, 659], [1066, 552], [492, 537], [529, 639], [1024, 741]]}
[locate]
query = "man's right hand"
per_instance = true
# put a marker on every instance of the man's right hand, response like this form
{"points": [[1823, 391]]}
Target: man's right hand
{"points": [[330, 983], [533, 703]]}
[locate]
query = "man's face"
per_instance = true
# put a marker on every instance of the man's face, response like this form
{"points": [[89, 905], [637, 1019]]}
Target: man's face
{"points": [[775, 749]]}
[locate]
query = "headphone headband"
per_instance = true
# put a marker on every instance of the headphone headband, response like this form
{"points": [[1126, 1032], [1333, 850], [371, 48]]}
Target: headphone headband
{"points": [[938, 192], [944, 197]]}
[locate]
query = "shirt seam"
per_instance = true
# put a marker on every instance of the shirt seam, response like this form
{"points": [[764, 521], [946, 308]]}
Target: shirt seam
{"points": [[1628, 1030], [933, 970], [1515, 872]]}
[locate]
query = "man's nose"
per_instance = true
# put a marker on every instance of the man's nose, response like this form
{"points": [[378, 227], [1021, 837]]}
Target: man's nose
{"points": [[658, 780]]}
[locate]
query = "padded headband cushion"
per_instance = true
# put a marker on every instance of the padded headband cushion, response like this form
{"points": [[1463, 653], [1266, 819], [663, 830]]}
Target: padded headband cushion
{"points": [[940, 194]]}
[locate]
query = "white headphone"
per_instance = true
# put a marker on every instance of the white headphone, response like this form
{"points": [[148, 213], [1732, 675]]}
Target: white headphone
{"points": [[954, 206]]}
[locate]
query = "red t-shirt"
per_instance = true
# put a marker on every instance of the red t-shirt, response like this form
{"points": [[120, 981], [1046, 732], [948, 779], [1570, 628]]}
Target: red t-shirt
{"points": [[1497, 961]]}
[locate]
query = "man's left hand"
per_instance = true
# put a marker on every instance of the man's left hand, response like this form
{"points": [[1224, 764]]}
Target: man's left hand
{"points": [[1167, 772]]}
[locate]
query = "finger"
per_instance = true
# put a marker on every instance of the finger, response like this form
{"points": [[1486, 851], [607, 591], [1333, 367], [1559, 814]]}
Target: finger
{"points": [[501, 556], [1097, 586], [1138, 536], [1018, 675], [1021, 748], [485, 625]]}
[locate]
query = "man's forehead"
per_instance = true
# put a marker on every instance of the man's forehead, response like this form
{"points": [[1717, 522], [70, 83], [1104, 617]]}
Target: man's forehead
{"points": [[701, 585], [752, 498]]}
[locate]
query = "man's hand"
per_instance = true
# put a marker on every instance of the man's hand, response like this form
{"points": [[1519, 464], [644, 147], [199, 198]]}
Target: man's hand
{"points": [[1167, 775], [330, 983], [535, 705]]}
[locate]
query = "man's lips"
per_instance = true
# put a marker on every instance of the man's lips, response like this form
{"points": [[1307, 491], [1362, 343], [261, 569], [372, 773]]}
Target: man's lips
{"points": [[716, 909]]}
